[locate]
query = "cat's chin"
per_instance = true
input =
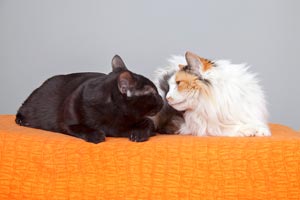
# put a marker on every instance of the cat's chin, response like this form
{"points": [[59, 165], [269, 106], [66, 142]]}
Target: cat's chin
{"points": [[178, 105]]}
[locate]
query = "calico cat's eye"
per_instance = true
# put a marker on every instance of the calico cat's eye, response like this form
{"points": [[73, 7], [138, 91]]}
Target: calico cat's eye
{"points": [[177, 82]]}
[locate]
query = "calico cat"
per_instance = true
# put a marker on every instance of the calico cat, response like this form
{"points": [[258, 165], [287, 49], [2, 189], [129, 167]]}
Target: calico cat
{"points": [[91, 106], [217, 98]]}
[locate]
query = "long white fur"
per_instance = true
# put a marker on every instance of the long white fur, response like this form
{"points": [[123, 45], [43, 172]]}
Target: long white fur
{"points": [[234, 105]]}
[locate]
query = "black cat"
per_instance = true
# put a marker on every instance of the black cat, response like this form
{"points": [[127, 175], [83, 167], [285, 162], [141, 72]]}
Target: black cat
{"points": [[94, 105]]}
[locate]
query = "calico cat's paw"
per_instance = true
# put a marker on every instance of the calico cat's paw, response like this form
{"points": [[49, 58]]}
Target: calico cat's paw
{"points": [[249, 131], [138, 136]]}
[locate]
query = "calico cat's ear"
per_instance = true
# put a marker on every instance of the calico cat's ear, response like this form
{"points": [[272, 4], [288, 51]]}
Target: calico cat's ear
{"points": [[126, 83], [194, 63], [117, 63]]}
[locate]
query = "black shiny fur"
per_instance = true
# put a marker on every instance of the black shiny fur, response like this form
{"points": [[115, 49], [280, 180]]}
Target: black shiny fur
{"points": [[94, 105]]}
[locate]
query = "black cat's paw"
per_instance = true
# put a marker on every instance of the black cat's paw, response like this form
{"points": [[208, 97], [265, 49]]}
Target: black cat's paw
{"points": [[138, 136], [20, 119], [86, 133], [94, 138], [152, 133]]}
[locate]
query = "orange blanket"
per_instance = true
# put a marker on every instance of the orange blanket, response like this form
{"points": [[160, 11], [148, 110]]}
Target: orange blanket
{"points": [[36, 164]]}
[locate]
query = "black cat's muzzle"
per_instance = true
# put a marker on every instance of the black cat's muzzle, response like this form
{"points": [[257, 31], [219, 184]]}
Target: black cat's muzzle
{"points": [[158, 106]]}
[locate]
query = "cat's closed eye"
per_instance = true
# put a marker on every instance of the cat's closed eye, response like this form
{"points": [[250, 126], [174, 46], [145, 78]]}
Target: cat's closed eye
{"points": [[177, 82]]}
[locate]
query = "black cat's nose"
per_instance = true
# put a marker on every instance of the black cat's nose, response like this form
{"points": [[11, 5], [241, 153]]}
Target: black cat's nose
{"points": [[152, 113], [158, 107]]}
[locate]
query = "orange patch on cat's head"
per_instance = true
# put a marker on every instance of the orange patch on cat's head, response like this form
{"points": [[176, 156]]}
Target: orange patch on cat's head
{"points": [[207, 64], [190, 82], [187, 81]]}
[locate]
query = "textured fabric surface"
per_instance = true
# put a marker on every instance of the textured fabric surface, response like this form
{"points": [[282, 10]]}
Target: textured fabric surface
{"points": [[36, 164]]}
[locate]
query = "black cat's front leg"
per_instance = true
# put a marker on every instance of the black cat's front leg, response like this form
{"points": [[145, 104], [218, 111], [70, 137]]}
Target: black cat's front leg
{"points": [[142, 131], [86, 133]]}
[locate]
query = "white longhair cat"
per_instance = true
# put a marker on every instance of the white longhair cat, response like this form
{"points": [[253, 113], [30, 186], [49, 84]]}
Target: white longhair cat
{"points": [[216, 98]]}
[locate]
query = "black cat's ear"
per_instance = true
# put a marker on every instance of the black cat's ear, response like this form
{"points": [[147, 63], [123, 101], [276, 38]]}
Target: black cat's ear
{"points": [[126, 83], [194, 63], [117, 63]]}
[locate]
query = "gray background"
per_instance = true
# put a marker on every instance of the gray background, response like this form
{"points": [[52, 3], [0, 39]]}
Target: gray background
{"points": [[39, 39]]}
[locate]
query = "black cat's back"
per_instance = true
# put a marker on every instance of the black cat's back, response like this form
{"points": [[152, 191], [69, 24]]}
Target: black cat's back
{"points": [[41, 109]]}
